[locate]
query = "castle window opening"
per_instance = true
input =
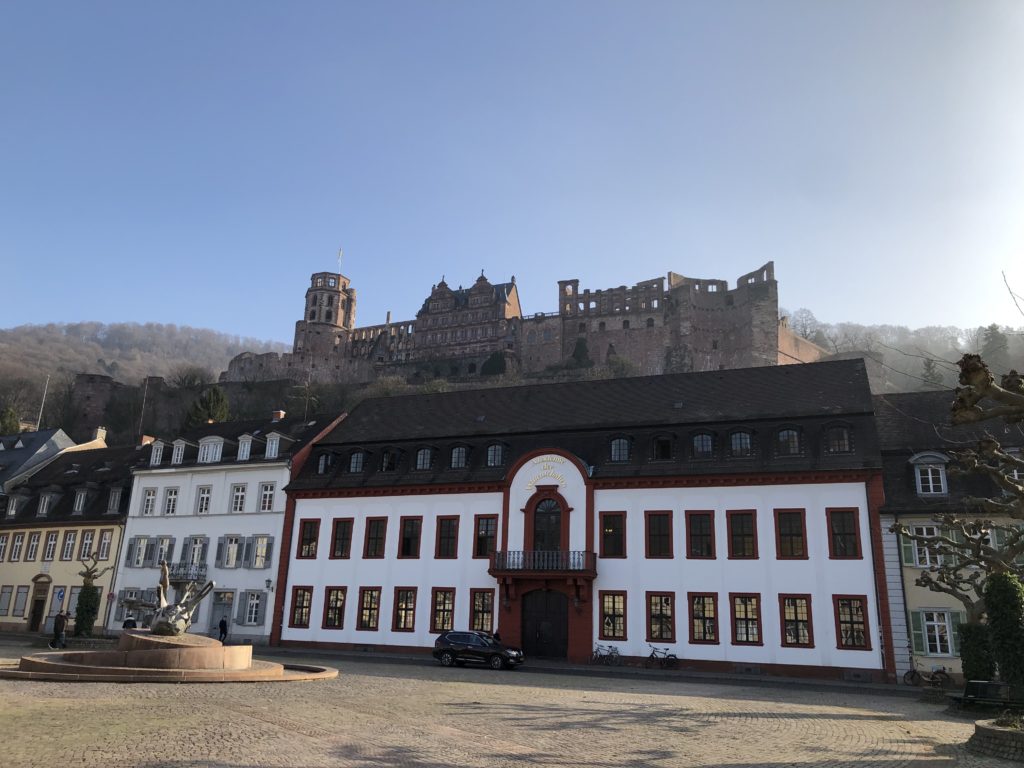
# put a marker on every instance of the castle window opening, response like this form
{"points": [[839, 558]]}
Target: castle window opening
{"points": [[547, 334], [331, 282], [712, 288], [650, 322], [600, 326], [319, 282], [312, 315], [625, 325], [583, 328], [327, 315], [472, 367], [654, 304], [714, 344]]}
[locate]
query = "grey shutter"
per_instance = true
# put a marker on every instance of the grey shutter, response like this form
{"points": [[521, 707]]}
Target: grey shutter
{"points": [[247, 552], [170, 551], [917, 631], [206, 549], [133, 542], [261, 615], [270, 552], [186, 545], [119, 616], [150, 556], [220, 552], [907, 550], [243, 599]]}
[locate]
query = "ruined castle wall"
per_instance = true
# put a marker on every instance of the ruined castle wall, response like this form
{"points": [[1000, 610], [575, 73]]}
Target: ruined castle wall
{"points": [[540, 342]]}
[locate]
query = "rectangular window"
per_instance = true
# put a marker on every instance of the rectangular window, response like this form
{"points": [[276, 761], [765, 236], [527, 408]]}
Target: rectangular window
{"points": [[658, 527], [85, 550], [170, 501], [933, 632], [302, 601], [795, 615], [5, 600], [486, 539], [481, 616], [273, 444], [852, 622], [51, 546], [376, 534], [20, 599], [334, 607], [742, 526], [931, 480], [447, 544], [369, 609], [3, 546], [253, 604], [409, 537], [746, 619], [203, 494], [442, 609], [178, 453], [148, 501], [266, 497], [309, 536], [106, 538], [260, 552], [790, 534], [843, 534], [79, 501], [44, 506], [700, 535], [404, 618], [613, 615], [661, 617], [33, 548], [244, 447], [238, 498], [17, 543], [137, 556], [613, 534], [923, 558], [232, 556], [341, 538], [703, 617], [114, 500], [68, 550]]}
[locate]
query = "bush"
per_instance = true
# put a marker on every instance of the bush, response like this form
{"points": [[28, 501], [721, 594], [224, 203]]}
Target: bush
{"points": [[1004, 601], [976, 652], [87, 610], [493, 365]]}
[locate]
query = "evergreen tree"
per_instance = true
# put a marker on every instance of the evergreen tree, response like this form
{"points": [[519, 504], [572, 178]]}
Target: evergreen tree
{"points": [[87, 610], [931, 375], [212, 405], [9, 424], [995, 349]]}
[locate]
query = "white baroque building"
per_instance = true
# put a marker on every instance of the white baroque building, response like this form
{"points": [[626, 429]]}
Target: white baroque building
{"points": [[731, 517], [211, 502]]}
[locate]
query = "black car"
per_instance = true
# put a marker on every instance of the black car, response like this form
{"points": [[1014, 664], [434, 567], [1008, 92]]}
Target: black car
{"points": [[459, 647]]}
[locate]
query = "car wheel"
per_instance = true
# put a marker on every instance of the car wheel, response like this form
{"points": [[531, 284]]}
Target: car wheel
{"points": [[496, 662], [447, 658]]}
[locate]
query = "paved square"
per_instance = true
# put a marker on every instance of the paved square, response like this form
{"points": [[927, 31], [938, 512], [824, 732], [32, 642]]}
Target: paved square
{"points": [[386, 714]]}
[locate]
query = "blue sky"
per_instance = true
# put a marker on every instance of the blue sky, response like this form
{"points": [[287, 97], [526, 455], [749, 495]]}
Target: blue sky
{"points": [[193, 163]]}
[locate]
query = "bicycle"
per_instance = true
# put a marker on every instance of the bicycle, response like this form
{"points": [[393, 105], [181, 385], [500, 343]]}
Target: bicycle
{"points": [[606, 654], [662, 658], [937, 678]]}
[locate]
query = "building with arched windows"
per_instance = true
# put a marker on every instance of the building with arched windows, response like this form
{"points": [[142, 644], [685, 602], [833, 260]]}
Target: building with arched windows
{"points": [[730, 516]]}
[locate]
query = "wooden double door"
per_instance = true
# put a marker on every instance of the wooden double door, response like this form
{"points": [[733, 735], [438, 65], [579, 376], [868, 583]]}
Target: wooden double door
{"points": [[545, 624]]}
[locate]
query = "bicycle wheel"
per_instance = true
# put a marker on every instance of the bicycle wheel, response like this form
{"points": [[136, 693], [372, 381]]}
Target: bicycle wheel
{"points": [[670, 662], [912, 677], [615, 659], [942, 679]]}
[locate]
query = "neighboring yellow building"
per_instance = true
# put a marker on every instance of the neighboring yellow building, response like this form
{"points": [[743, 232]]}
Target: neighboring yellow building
{"points": [[63, 514]]}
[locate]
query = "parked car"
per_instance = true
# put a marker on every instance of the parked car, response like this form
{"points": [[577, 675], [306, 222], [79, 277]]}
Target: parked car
{"points": [[459, 647]]}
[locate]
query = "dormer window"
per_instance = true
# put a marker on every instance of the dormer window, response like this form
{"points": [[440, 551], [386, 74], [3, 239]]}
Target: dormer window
{"points": [[324, 463], [210, 451], [356, 461], [79, 501], [930, 473], [741, 445], [244, 447], [787, 442], [44, 506], [661, 449], [178, 454], [389, 460], [424, 458], [273, 444], [703, 446], [12, 506], [620, 449], [458, 459], [837, 440], [114, 500], [157, 455], [495, 455]]}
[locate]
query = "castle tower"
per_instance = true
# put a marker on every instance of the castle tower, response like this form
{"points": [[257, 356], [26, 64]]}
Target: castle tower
{"points": [[329, 311]]}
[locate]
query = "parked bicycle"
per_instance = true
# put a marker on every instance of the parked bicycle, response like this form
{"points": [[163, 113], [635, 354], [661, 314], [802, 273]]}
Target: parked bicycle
{"points": [[662, 658], [938, 677], [606, 654]]}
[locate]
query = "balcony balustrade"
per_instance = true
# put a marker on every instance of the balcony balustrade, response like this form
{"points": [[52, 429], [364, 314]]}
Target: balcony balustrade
{"points": [[529, 562], [183, 572]]}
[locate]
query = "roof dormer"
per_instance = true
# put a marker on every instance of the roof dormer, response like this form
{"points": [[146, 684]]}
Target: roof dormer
{"points": [[210, 450]]}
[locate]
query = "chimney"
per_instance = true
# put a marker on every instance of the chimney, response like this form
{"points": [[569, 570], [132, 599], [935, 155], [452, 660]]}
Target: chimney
{"points": [[276, 415], [100, 433]]}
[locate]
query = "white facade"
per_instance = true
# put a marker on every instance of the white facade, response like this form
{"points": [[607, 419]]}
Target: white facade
{"points": [[219, 523], [824, 580]]}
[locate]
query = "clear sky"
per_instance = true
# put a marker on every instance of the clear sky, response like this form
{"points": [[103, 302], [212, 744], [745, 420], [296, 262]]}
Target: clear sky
{"points": [[194, 163]]}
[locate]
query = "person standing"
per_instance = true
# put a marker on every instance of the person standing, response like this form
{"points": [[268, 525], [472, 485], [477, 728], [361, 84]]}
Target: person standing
{"points": [[223, 628], [129, 622], [60, 628]]}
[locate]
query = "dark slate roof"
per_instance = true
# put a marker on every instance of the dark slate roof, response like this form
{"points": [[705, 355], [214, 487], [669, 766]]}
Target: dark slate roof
{"points": [[97, 470], [915, 422], [582, 417], [36, 447], [501, 292]]}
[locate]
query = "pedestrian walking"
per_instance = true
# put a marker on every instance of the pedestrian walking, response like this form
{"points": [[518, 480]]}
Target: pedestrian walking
{"points": [[223, 628], [60, 628]]}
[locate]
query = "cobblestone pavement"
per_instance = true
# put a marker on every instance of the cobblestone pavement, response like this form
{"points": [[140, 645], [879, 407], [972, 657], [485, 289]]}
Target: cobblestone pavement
{"points": [[422, 716]]}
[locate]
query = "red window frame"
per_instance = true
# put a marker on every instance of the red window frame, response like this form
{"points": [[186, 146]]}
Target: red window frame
{"points": [[867, 622], [476, 536], [778, 533], [731, 515], [401, 536], [383, 539], [782, 621], [625, 615], [672, 626], [308, 591], [733, 617], [602, 552], [360, 626], [335, 524], [313, 522], [344, 605], [717, 618], [648, 514], [829, 512], [710, 514], [437, 538], [395, 607], [434, 591], [473, 612]]}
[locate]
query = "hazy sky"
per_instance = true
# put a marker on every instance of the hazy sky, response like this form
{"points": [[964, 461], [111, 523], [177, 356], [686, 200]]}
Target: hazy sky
{"points": [[193, 163]]}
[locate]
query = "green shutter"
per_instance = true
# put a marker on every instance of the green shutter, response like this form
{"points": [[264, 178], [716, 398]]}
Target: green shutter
{"points": [[957, 618], [917, 631], [907, 550]]}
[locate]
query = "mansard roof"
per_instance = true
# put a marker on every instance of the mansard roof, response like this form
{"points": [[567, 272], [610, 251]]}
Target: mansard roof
{"points": [[501, 294], [35, 447], [583, 416]]}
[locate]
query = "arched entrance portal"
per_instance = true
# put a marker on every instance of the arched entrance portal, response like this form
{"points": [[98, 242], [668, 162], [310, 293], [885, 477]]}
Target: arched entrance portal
{"points": [[546, 624]]}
